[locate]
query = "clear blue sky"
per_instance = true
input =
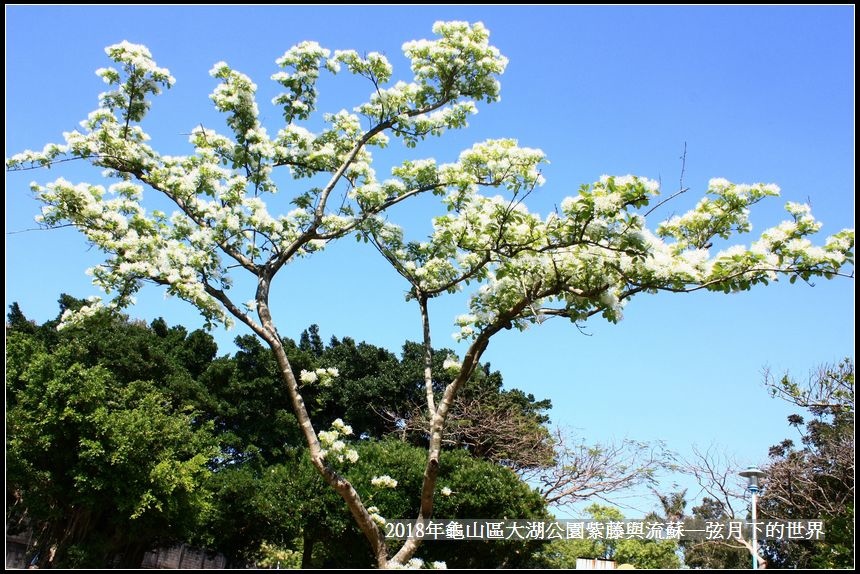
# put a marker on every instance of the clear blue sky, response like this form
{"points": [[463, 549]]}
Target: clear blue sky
{"points": [[758, 94]]}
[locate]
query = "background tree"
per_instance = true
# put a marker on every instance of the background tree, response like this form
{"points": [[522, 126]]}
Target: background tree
{"points": [[504, 426], [588, 258], [673, 504], [815, 480], [105, 456], [253, 418], [725, 498], [714, 554], [582, 471], [811, 482], [645, 554]]}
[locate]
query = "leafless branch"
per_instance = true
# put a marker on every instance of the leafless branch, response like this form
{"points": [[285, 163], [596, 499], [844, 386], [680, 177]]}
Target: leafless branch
{"points": [[488, 430], [715, 472], [681, 187], [583, 471]]}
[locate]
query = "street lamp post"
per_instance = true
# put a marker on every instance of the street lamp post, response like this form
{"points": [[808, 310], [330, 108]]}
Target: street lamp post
{"points": [[753, 476]]}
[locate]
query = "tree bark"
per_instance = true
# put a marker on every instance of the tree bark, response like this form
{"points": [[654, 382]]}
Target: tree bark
{"points": [[340, 484]]}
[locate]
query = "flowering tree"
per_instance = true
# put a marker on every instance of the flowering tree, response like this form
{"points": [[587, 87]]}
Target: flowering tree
{"points": [[587, 258]]}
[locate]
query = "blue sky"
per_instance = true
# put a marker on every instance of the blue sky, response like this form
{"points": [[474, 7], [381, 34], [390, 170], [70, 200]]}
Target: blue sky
{"points": [[758, 94]]}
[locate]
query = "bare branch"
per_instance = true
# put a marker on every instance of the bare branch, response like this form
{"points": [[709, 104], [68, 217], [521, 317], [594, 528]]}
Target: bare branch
{"points": [[583, 471], [681, 187], [489, 430]]}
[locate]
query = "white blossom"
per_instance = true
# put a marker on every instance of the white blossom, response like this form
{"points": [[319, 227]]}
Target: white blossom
{"points": [[798, 210], [70, 317], [718, 183], [327, 438], [341, 427], [326, 376], [451, 364], [331, 442], [383, 481], [378, 519]]}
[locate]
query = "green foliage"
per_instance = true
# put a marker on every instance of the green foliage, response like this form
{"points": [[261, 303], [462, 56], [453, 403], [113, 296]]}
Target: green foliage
{"points": [[715, 554], [112, 432], [288, 505], [256, 505], [479, 489], [644, 554], [648, 554], [251, 411], [272, 556], [105, 458], [377, 394], [16, 321], [372, 381]]}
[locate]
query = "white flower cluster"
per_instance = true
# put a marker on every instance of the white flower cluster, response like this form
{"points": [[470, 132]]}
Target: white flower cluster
{"points": [[334, 446], [375, 516], [141, 247], [446, 491], [341, 427], [461, 60], [383, 481], [375, 66], [143, 77], [236, 96], [411, 127], [476, 224], [466, 323], [301, 65], [413, 564], [394, 102], [601, 249], [587, 258], [451, 364], [325, 376], [497, 162], [31, 158], [726, 212], [74, 318], [417, 564], [138, 56]]}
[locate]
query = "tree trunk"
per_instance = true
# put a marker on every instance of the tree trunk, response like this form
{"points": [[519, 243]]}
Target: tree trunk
{"points": [[307, 548], [341, 485]]}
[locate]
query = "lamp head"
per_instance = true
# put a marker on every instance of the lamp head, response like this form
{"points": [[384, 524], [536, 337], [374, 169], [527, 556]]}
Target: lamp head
{"points": [[753, 476]]}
